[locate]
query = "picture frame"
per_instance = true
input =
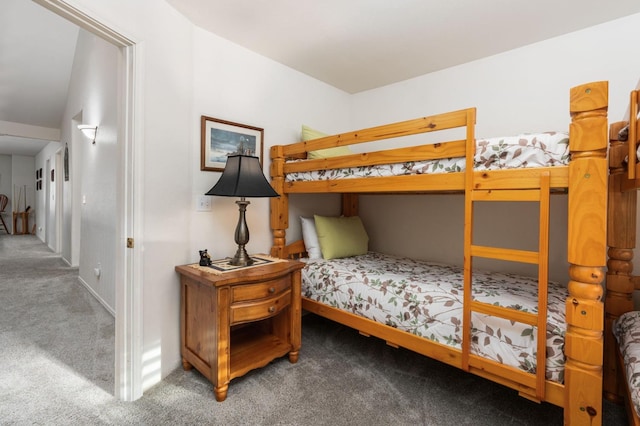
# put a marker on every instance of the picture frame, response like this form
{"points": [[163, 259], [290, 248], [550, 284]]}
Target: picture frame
{"points": [[220, 138], [66, 162]]}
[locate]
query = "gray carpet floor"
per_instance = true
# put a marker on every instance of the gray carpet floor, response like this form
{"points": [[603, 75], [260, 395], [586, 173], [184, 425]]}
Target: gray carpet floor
{"points": [[56, 353]]}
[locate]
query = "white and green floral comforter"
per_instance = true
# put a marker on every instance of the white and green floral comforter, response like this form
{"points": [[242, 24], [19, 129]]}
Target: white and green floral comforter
{"points": [[425, 299], [627, 331], [525, 150]]}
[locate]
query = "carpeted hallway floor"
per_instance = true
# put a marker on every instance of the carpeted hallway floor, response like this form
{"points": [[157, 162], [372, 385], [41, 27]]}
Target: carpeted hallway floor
{"points": [[56, 352]]}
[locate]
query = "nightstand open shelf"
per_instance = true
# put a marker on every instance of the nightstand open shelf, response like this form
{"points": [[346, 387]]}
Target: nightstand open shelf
{"points": [[252, 347], [237, 321]]}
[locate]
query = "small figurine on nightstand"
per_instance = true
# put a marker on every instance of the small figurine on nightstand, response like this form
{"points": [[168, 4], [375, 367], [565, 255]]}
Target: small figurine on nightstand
{"points": [[205, 258]]}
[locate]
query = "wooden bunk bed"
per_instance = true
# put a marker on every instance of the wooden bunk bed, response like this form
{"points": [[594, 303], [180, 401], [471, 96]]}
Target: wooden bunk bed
{"points": [[585, 178], [624, 180]]}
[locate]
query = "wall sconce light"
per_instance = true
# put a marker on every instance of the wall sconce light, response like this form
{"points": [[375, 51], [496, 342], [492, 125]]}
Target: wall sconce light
{"points": [[89, 131]]}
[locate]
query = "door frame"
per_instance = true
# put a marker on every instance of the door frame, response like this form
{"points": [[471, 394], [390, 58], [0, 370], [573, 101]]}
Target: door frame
{"points": [[59, 187], [47, 202]]}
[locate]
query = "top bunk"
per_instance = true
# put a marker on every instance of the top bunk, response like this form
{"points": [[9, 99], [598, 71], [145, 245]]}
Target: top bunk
{"points": [[437, 163], [625, 137]]}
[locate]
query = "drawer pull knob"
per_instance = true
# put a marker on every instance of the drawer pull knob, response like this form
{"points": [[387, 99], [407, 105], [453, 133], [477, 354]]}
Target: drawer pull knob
{"points": [[272, 309], [272, 289]]}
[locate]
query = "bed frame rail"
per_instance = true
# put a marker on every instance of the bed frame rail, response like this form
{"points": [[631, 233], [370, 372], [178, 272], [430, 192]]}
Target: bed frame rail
{"points": [[449, 120], [633, 134]]}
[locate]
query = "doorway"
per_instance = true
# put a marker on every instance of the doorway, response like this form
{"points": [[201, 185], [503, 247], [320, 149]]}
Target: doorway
{"points": [[49, 204], [128, 321], [53, 202]]}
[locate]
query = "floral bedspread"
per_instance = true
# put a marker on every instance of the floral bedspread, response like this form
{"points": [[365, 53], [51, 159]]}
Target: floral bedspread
{"points": [[425, 299], [627, 331], [525, 150]]}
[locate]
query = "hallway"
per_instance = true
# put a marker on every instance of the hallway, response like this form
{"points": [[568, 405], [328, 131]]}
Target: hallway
{"points": [[57, 341]]}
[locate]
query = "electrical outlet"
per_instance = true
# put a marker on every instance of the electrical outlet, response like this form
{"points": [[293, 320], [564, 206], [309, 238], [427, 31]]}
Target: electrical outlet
{"points": [[203, 203]]}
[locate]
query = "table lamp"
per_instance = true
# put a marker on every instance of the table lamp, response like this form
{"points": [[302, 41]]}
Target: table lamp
{"points": [[242, 177]]}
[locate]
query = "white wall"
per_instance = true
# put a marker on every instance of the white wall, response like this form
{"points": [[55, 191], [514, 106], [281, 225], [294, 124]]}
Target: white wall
{"points": [[235, 84], [523, 90], [90, 193]]}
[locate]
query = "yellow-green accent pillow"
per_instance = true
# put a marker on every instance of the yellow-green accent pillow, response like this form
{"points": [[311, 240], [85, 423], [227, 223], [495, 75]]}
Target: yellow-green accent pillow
{"points": [[309, 134], [341, 236]]}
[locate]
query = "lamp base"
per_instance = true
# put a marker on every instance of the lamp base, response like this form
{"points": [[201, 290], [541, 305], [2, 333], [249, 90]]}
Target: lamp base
{"points": [[241, 258], [242, 236]]}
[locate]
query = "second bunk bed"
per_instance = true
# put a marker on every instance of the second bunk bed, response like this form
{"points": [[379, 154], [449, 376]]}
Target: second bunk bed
{"points": [[622, 318], [563, 364]]}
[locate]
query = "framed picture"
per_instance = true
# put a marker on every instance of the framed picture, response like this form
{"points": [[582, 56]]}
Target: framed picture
{"points": [[66, 162], [220, 138]]}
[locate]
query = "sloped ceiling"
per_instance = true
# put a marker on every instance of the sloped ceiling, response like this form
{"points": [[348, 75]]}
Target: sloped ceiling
{"points": [[36, 54]]}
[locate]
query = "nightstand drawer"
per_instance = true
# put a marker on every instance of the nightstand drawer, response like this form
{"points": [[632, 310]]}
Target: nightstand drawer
{"points": [[246, 292], [242, 312]]}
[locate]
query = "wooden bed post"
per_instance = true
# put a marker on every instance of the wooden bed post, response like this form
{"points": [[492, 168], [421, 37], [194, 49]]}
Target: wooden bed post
{"points": [[621, 237], [279, 205], [350, 204], [586, 254]]}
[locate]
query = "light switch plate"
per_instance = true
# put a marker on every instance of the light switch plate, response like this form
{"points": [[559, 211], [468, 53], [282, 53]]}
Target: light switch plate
{"points": [[203, 203]]}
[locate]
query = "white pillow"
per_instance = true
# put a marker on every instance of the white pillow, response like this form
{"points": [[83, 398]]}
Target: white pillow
{"points": [[310, 237]]}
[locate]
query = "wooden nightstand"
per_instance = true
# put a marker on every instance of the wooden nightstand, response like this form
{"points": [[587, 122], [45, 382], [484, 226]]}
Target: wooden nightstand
{"points": [[240, 320]]}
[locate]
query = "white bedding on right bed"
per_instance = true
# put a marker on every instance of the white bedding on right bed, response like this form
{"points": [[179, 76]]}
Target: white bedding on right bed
{"points": [[626, 329]]}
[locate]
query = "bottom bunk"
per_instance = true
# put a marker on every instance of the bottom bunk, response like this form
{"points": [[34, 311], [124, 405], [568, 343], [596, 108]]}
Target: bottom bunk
{"points": [[626, 330], [418, 305]]}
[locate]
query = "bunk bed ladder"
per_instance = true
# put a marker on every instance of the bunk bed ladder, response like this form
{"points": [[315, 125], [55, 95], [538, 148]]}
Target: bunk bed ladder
{"points": [[540, 257]]}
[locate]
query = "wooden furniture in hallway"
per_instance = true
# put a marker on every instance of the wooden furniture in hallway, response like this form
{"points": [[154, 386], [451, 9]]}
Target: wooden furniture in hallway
{"points": [[23, 219], [3, 205]]}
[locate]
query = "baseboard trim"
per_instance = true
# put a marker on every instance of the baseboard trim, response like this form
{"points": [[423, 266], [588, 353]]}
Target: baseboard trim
{"points": [[97, 297]]}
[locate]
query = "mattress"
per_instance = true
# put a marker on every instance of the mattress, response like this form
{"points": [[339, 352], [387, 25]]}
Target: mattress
{"points": [[525, 150], [425, 299], [626, 329]]}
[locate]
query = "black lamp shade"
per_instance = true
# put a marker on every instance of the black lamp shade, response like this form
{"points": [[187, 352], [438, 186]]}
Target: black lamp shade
{"points": [[242, 177]]}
